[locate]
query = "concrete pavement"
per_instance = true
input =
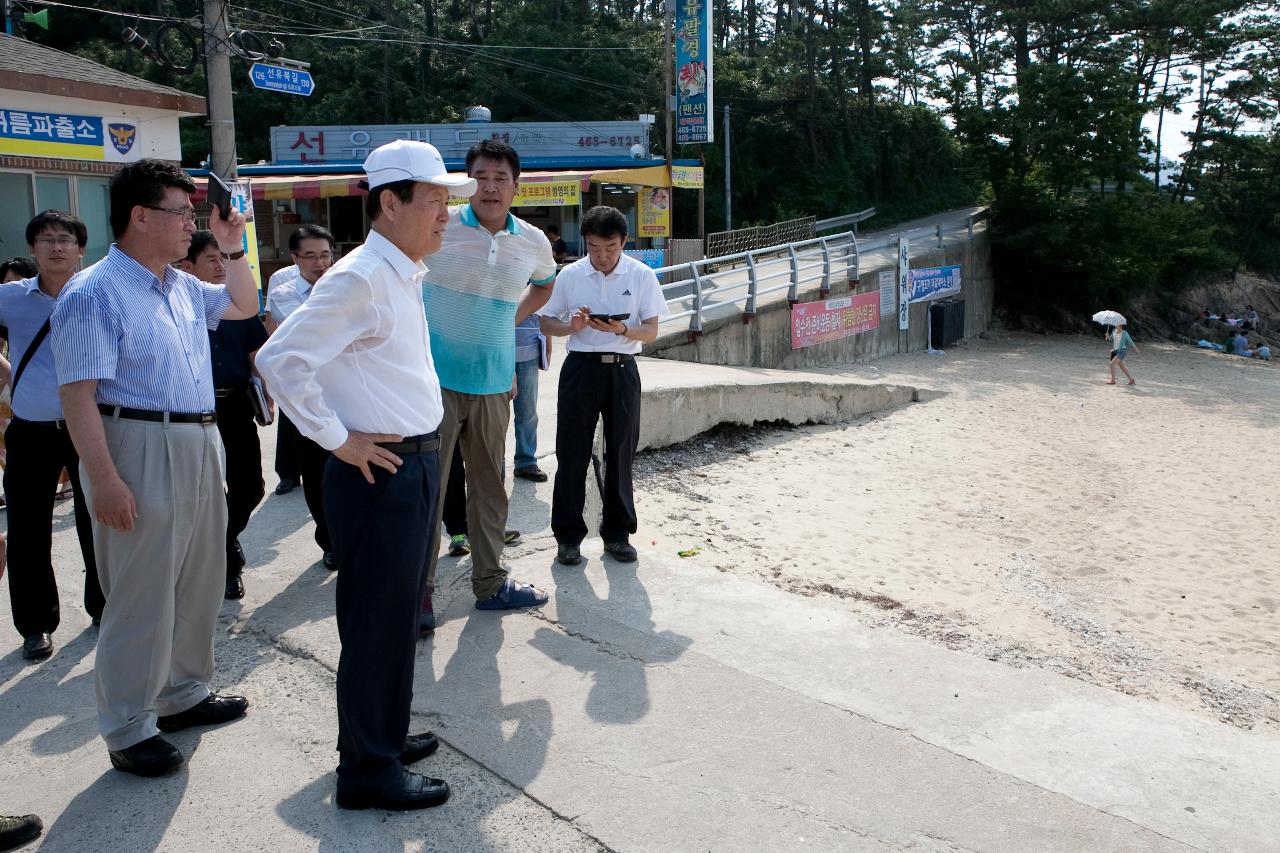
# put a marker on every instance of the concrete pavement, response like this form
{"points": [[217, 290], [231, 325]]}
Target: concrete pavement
{"points": [[661, 706]]}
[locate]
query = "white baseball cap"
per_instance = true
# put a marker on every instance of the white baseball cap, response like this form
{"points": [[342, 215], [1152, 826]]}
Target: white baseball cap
{"points": [[407, 160]]}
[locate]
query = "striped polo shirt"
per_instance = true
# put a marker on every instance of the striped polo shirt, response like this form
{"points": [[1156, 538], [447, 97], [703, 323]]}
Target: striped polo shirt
{"points": [[143, 339], [470, 296]]}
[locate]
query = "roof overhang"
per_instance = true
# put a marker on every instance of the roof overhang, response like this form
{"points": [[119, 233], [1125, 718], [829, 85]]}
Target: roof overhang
{"points": [[40, 84]]}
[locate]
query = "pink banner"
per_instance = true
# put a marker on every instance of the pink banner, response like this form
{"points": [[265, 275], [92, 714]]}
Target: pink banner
{"points": [[819, 322]]}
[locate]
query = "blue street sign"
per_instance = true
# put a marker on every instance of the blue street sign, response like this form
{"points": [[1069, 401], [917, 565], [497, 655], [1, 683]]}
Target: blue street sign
{"points": [[277, 78]]}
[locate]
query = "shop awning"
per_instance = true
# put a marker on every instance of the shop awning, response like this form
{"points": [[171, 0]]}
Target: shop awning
{"points": [[284, 187]]}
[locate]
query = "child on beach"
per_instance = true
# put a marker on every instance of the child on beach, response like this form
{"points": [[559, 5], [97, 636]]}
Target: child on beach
{"points": [[1121, 343]]}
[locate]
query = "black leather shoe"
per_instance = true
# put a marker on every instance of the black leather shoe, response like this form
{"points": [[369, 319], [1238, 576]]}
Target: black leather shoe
{"points": [[413, 792], [533, 472], [286, 486], [330, 561], [418, 747], [568, 555], [37, 646], [235, 588], [212, 711], [16, 831], [621, 551], [154, 756]]}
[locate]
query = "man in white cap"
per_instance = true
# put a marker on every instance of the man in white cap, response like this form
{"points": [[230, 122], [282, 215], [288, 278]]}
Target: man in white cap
{"points": [[352, 368]]}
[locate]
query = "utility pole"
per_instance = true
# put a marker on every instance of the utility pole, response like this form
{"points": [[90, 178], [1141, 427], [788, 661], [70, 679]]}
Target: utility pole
{"points": [[728, 174], [217, 65], [668, 62]]}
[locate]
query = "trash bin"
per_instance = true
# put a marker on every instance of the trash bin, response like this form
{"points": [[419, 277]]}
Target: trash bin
{"points": [[946, 321]]}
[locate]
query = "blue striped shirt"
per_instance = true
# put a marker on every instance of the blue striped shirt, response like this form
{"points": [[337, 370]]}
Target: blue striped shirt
{"points": [[144, 340]]}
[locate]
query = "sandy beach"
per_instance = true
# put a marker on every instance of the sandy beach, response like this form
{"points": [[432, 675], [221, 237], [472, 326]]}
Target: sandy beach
{"points": [[1025, 511]]}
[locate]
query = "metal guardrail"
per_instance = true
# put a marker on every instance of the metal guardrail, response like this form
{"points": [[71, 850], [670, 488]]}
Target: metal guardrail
{"points": [[841, 221], [758, 237], [747, 277]]}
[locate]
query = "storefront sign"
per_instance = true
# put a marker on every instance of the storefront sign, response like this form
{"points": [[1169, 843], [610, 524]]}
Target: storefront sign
{"points": [[549, 194], [654, 259], [572, 144], [71, 137], [687, 177], [932, 282], [820, 322], [693, 72], [653, 212]]}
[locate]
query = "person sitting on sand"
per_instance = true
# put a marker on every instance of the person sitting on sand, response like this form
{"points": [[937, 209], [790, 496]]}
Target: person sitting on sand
{"points": [[1251, 318], [1240, 345], [1263, 352], [1121, 343]]}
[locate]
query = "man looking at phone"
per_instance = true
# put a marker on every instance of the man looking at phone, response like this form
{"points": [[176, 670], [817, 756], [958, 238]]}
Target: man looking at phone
{"points": [[231, 349], [493, 271], [129, 339], [613, 304]]}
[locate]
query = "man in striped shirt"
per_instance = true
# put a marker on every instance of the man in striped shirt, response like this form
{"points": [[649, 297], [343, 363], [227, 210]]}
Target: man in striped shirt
{"points": [[132, 350], [493, 271]]}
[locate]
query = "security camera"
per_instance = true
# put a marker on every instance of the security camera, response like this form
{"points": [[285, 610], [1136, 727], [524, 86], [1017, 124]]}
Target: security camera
{"points": [[638, 152]]}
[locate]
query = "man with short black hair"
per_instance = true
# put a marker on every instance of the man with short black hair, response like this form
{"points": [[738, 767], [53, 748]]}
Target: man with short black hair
{"points": [[613, 304], [16, 269], [493, 271], [132, 352], [231, 349], [37, 441], [313, 249]]}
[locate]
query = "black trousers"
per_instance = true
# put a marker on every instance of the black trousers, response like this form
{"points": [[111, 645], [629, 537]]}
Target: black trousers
{"points": [[589, 391], [36, 456], [288, 449], [381, 535], [455, 495], [314, 459], [245, 488]]}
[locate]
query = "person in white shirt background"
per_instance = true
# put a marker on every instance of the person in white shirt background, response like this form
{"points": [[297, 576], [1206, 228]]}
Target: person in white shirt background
{"points": [[609, 305]]}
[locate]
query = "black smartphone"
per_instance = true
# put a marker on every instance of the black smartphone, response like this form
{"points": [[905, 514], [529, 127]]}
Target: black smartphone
{"points": [[604, 318], [219, 195]]}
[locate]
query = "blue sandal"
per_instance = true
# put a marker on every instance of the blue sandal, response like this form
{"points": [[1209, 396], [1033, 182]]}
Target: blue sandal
{"points": [[512, 595]]}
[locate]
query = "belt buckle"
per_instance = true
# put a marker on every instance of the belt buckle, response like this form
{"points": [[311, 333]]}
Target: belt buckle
{"points": [[207, 417], [60, 423]]}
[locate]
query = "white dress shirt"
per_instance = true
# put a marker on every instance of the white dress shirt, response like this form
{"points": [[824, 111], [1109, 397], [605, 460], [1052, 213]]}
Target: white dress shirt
{"points": [[632, 288], [356, 355], [287, 296], [280, 276]]}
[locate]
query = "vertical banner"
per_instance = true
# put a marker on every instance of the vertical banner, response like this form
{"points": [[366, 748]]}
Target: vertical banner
{"points": [[654, 212], [242, 199], [886, 293], [693, 72], [904, 283]]}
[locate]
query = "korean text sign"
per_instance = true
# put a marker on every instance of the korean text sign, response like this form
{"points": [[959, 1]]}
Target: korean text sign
{"points": [[694, 82], [932, 282], [820, 322], [72, 137]]}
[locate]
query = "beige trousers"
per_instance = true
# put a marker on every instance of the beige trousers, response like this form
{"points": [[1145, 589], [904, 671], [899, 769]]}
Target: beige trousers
{"points": [[479, 422], [163, 580]]}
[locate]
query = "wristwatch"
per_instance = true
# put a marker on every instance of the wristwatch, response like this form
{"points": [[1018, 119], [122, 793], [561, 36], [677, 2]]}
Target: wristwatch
{"points": [[233, 256], [624, 330]]}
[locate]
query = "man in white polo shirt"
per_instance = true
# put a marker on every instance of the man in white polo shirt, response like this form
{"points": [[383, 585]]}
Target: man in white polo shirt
{"points": [[609, 305], [492, 272]]}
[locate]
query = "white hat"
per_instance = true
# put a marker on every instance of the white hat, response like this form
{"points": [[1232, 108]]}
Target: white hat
{"points": [[407, 160]]}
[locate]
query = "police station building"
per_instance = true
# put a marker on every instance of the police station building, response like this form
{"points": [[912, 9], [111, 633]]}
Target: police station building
{"points": [[66, 123]]}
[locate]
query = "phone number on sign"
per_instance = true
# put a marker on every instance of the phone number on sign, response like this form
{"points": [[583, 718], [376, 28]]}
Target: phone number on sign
{"points": [[611, 141]]}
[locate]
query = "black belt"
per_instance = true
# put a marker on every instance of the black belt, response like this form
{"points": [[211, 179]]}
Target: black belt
{"points": [[159, 417], [606, 357], [58, 424], [415, 444]]}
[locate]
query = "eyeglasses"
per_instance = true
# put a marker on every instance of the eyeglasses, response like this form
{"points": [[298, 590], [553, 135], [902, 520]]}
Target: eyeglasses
{"points": [[188, 214], [312, 256], [57, 241]]}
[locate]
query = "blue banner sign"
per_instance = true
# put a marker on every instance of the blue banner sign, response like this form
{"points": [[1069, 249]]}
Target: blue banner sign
{"points": [[654, 259], [277, 78], [693, 72], [932, 282]]}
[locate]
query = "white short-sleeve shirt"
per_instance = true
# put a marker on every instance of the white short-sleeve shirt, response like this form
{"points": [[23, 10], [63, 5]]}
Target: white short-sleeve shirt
{"points": [[632, 288]]}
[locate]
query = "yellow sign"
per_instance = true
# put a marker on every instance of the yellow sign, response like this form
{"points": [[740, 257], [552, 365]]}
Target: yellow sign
{"points": [[654, 212], [687, 177], [242, 198], [549, 194]]}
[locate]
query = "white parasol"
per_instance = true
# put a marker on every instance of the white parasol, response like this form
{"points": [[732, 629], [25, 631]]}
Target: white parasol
{"points": [[1110, 318]]}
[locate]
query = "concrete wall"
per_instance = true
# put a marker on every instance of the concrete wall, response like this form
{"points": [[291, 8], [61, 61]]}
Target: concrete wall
{"points": [[766, 340]]}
